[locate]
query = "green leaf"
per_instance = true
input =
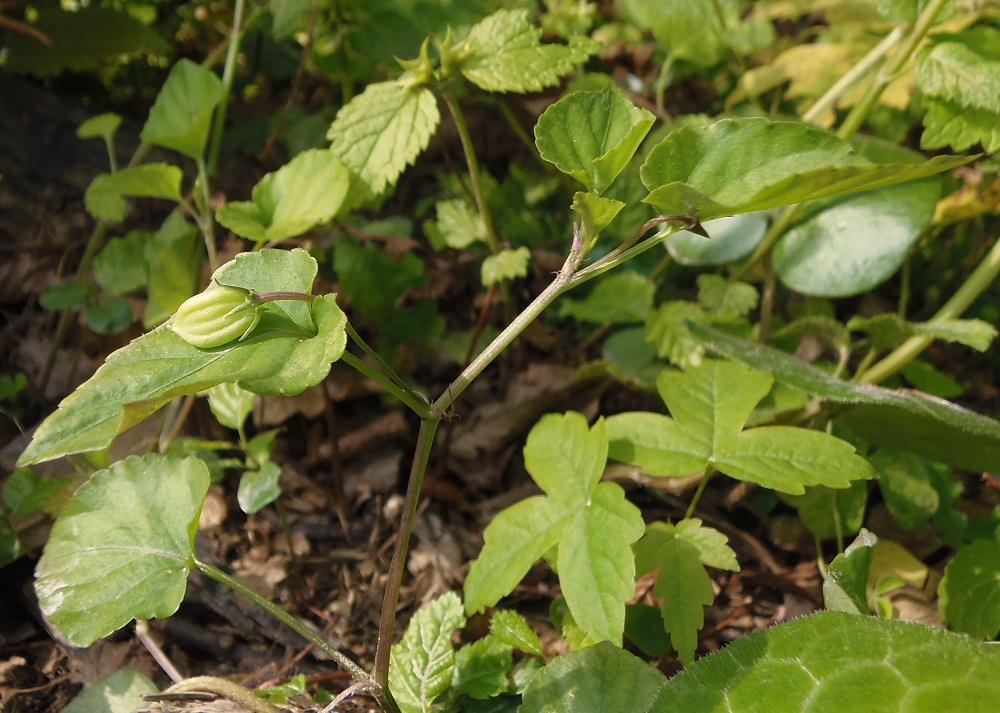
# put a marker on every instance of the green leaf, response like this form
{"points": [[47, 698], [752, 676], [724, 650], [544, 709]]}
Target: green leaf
{"points": [[460, 224], [712, 545], [682, 584], [259, 488], [122, 547], [596, 212], [181, 117], [969, 593], [481, 668], [110, 315], [101, 126], [829, 513], [380, 132], [686, 30], [596, 570], [511, 628], [65, 296], [845, 586], [710, 404], [230, 404], [724, 299], [845, 246], [834, 661], [503, 53], [931, 380], [667, 328], [120, 267], [591, 522], [599, 679], [644, 628], [373, 279], [592, 136], [621, 297], [973, 333], [907, 486], [291, 349], [507, 264], [516, 538], [732, 239], [24, 492], [940, 431], [950, 124], [423, 662], [78, 41], [303, 193], [963, 69], [742, 165], [174, 256], [118, 692], [105, 196]]}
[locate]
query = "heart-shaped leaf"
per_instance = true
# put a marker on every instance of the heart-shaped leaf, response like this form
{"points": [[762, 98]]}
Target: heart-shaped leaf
{"points": [[122, 547]]}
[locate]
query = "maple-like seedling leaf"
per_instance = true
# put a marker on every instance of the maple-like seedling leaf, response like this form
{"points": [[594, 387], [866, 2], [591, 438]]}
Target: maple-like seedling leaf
{"points": [[504, 53], [122, 547], [741, 165], [380, 132], [290, 349], [422, 665], [680, 553], [710, 403], [591, 522]]}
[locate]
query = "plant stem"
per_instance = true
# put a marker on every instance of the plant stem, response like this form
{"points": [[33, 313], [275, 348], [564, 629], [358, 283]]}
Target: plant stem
{"points": [[394, 581], [473, 164], [559, 285], [894, 64], [701, 489], [204, 217], [410, 398], [245, 698], [855, 73], [292, 622], [228, 72], [980, 279]]}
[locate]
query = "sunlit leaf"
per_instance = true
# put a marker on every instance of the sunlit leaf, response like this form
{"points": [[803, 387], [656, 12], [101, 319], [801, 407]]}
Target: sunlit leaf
{"points": [[182, 114], [122, 546], [105, 196]]}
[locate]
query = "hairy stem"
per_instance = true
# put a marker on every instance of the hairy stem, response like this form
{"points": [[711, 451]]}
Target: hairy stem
{"points": [[245, 698]]}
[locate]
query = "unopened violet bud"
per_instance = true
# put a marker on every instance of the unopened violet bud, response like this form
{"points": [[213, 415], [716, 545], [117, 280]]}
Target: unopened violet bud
{"points": [[217, 316]]}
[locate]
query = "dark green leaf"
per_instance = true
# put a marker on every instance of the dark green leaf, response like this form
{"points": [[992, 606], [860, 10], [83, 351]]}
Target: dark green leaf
{"points": [[845, 586], [969, 593]]}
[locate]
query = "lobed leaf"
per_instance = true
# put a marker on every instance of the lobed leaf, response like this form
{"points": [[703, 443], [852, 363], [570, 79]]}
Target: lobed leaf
{"points": [[507, 264], [566, 457], [963, 69], [505, 54], [592, 135], [380, 132], [685, 589], [303, 193], [710, 404], [742, 165], [931, 427], [122, 547], [949, 124], [105, 196], [596, 568], [181, 116], [624, 296]]}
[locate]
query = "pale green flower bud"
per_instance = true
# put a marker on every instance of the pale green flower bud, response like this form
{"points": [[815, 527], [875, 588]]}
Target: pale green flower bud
{"points": [[217, 316]]}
